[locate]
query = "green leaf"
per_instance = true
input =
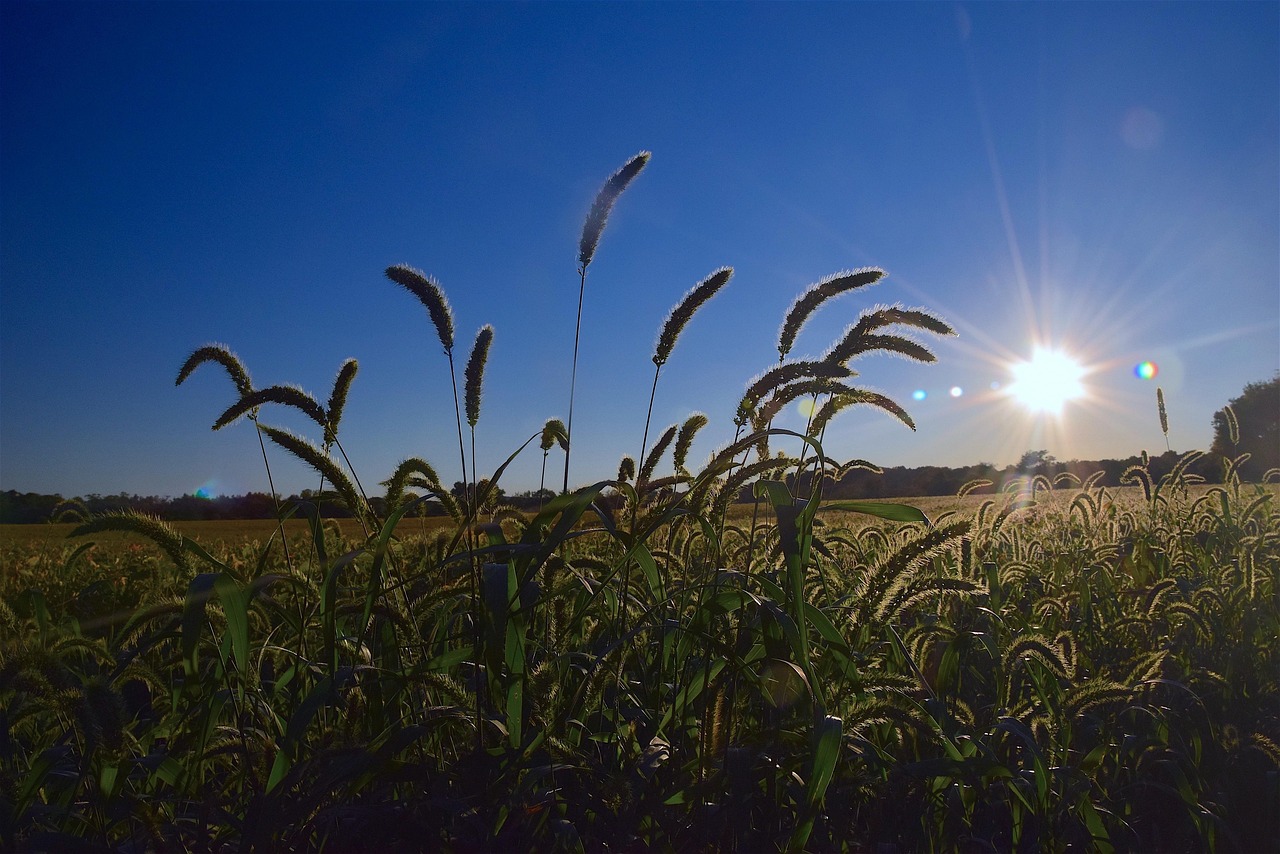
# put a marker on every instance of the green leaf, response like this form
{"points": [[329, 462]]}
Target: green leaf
{"points": [[235, 605], [193, 618], [880, 509]]}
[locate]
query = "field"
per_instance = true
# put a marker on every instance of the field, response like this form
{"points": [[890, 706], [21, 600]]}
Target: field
{"points": [[1082, 669], [646, 663]]}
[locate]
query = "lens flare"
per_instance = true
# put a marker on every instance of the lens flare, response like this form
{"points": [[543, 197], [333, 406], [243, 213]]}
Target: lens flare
{"points": [[1145, 370], [919, 394], [956, 391]]}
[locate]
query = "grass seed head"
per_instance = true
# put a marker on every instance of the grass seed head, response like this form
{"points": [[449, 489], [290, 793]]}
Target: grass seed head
{"points": [[553, 433], [603, 205], [475, 372], [222, 355], [815, 295], [684, 440], [285, 395], [338, 398], [683, 312], [428, 292]]}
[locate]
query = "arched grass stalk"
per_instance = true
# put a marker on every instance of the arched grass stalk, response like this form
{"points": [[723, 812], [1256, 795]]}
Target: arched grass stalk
{"points": [[675, 323], [797, 315], [222, 354], [591, 231], [428, 292]]}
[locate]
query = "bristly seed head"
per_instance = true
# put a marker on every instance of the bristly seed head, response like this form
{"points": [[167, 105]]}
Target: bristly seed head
{"points": [[684, 440], [815, 295], [626, 469], [285, 395], [428, 292], [683, 312], [553, 433], [338, 398], [651, 461], [786, 373], [475, 372], [603, 204], [221, 354]]}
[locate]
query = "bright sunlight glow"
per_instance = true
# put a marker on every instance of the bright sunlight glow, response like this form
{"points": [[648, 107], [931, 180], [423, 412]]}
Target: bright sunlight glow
{"points": [[1046, 382]]}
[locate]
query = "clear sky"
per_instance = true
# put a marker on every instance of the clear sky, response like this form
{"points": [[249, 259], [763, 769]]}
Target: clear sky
{"points": [[1099, 178]]}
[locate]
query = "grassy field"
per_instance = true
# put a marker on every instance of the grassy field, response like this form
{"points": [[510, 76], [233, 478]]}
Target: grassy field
{"points": [[1066, 669], [1094, 670]]}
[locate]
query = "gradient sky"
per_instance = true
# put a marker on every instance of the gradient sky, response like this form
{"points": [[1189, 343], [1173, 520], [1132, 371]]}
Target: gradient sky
{"points": [[1103, 178]]}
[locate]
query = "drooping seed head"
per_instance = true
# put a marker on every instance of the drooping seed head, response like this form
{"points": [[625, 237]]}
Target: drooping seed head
{"points": [[786, 373], [854, 345], [683, 312], [475, 372], [603, 205], [322, 463], [554, 432], [400, 478], [428, 292], [815, 295], [1233, 426], [626, 469], [919, 319], [222, 355], [151, 527], [842, 401], [285, 395]]}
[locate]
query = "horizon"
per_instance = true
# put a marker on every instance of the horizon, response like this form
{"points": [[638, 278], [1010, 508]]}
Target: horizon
{"points": [[1102, 181]]}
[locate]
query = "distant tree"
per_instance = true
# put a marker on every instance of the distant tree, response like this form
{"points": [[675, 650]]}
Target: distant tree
{"points": [[1257, 412], [1039, 462]]}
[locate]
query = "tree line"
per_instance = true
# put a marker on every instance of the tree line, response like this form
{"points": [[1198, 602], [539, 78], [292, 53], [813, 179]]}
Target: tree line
{"points": [[1253, 427], [894, 482]]}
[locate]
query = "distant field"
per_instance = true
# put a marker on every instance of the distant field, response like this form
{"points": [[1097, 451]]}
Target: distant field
{"points": [[228, 532], [233, 534]]}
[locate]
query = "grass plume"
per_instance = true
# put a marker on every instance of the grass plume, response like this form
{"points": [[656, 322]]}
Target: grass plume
{"points": [[284, 395], [683, 311], [605, 199], [338, 398], [592, 228], [219, 354], [428, 292], [474, 372], [815, 295]]}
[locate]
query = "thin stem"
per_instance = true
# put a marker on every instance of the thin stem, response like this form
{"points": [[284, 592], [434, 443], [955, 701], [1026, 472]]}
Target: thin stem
{"points": [[359, 486], [573, 375], [478, 640], [644, 443], [275, 499]]}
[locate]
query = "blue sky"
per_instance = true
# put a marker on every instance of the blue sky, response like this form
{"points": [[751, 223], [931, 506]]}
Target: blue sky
{"points": [[1102, 178]]}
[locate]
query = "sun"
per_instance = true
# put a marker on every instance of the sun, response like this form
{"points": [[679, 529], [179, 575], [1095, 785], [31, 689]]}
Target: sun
{"points": [[1047, 382]]}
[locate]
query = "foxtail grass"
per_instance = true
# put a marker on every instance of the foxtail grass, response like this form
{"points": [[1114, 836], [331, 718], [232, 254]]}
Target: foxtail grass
{"points": [[592, 228]]}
